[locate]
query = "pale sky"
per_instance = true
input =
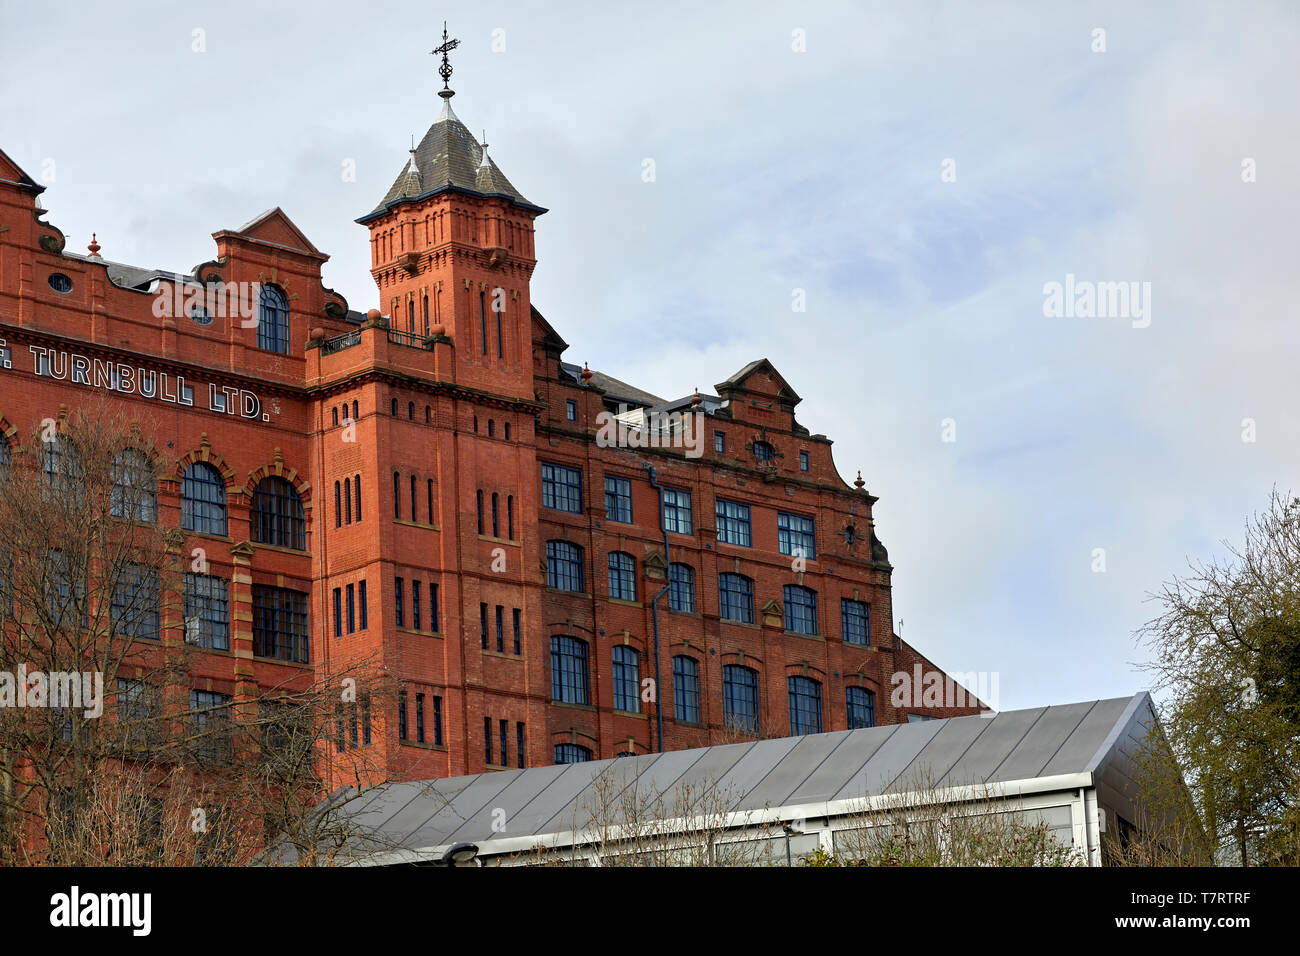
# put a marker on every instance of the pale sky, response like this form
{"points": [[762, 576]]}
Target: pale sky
{"points": [[775, 170]]}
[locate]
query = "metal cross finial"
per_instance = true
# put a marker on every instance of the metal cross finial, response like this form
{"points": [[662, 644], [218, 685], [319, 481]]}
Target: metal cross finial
{"points": [[444, 69]]}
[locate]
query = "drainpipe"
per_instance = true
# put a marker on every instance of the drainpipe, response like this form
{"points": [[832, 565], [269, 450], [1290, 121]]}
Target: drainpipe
{"points": [[654, 609]]}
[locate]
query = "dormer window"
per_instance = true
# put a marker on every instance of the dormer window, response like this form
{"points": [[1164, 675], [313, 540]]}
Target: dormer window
{"points": [[273, 320]]}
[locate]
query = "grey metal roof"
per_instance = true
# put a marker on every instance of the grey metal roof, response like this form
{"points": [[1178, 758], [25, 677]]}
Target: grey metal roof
{"points": [[448, 157], [815, 769]]}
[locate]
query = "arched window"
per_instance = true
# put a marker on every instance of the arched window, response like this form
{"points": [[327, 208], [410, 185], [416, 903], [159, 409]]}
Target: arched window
{"points": [[862, 707], [564, 566], [354, 409], [347, 502], [805, 706], [740, 697], [492, 428], [736, 598], [335, 410], [426, 316], [203, 500], [686, 688], [763, 451], [571, 753], [507, 431], [277, 515], [681, 588], [338, 506], [428, 415], [273, 320], [800, 609], [135, 487], [394, 408], [410, 411], [627, 679], [622, 576], [569, 682]]}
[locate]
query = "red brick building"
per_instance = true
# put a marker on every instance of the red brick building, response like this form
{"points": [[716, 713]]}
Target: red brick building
{"points": [[469, 512]]}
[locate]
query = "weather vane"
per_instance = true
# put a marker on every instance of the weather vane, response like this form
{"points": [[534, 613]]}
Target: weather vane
{"points": [[444, 68]]}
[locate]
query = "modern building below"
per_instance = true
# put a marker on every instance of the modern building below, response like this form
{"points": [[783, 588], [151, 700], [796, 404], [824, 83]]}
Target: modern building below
{"points": [[1078, 768]]}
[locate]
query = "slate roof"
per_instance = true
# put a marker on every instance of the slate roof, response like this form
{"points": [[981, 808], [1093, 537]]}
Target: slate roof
{"points": [[424, 817], [448, 157], [616, 390]]}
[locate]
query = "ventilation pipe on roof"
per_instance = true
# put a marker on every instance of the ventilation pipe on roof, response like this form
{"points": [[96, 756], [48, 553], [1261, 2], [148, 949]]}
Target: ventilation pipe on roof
{"points": [[654, 609]]}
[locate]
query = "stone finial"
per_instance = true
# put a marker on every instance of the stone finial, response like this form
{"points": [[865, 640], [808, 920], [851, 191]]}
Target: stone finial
{"points": [[94, 247], [586, 373], [859, 484], [696, 401]]}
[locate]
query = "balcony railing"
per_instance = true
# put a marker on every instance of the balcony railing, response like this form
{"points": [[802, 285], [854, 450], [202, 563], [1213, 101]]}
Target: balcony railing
{"points": [[408, 339], [341, 342]]}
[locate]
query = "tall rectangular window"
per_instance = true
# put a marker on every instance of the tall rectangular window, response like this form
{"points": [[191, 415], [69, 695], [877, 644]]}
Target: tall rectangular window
{"points": [[861, 707], [561, 488], [483, 623], [134, 608], [433, 606], [429, 493], [352, 609], [686, 689], [569, 682], [719, 443], [501, 629], [736, 598], [397, 496], [733, 523], [487, 739], [618, 499], [482, 320], [399, 603], [627, 679], [803, 461], [504, 727], [280, 624], [805, 706], [419, 718], [401, 715], [570, 410], [519, 743], [678, 517], [210, 727], [855, 620], [794, 535], [518, 633], [437, 720], [740, 697], [415, 605], [338, 612], [207, 611], [361, 597]]}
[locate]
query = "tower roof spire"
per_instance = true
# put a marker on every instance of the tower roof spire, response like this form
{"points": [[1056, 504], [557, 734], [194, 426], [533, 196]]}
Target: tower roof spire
{"points": [[444, 68]]}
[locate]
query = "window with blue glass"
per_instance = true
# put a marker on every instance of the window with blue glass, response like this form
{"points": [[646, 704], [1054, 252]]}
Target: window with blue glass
{"points": [[686, 689], [719, 443], [856, 621], [681, 588], [627, 679], [862, 707], [622, 576], [203, 500], [338, 612], [570, 410], [805, 706], [678, 517], [740, 697], [571, 753], [273, 320], [561, 488], [618, 499], [803, 461], [569, 682], [736, 598], [733, 523], [794, 535], [564, 566], [800, 609], [352, 609], [764, 452]]}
